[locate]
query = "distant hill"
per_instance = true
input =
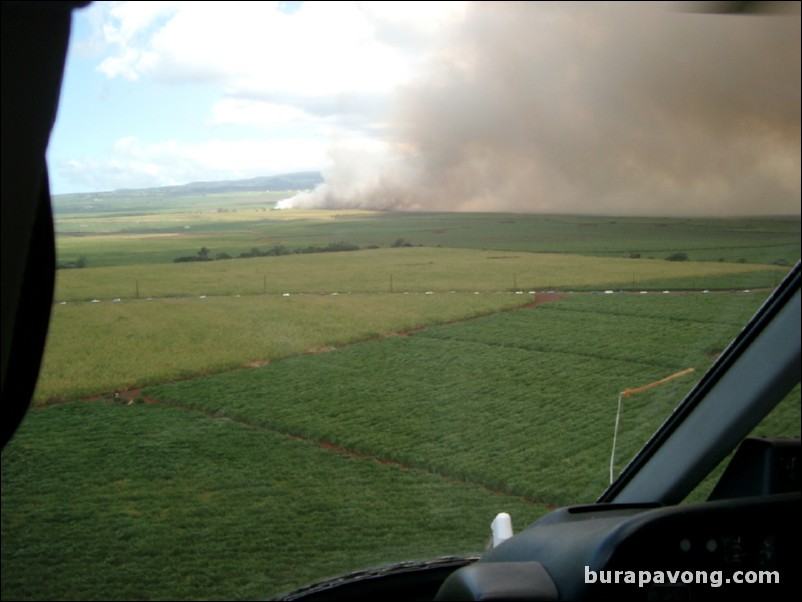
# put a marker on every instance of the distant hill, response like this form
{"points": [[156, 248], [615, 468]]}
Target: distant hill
{"points": [[147, 199], [292, 181]]}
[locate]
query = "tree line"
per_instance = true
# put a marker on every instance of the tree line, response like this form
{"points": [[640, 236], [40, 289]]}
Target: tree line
{"points": [[205, 254]]}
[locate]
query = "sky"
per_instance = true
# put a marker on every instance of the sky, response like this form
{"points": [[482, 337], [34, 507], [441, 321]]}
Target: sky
{"points": [[560, 107]]}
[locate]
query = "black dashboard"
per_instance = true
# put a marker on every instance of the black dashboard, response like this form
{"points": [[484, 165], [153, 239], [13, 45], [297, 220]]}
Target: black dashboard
{"points": [[704, 551], [747, 543]]}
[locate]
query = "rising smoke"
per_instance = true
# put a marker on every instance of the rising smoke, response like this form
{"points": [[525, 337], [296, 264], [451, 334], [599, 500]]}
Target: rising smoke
{"points": [[590, 108]]}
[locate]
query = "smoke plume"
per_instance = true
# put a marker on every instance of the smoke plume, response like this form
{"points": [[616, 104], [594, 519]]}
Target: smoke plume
{"points": [[589, 108]]}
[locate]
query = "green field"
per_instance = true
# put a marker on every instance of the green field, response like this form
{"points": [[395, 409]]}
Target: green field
{"points": [[151, 323], [283, 435], [111, 238], [418, 269], [252, 482], [94, 348], [490, 400], [112, 502]]}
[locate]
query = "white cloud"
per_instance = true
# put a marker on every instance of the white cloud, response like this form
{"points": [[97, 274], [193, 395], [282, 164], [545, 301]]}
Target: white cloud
{"points": [[291, 84], [124, 27], [253, 48], [264, 115], [413, 22]]}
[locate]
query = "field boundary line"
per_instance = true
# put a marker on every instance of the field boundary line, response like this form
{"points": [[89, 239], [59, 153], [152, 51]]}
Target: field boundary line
{"points": [[330, 447], [551, 352]]}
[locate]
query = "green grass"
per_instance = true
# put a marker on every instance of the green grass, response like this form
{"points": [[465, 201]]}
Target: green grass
{"points": [[181, 320], [670, 332], [111, 239], [416, 269], [523, 402], [238, 491], [103, 501], [242, 488], [97, 347]]}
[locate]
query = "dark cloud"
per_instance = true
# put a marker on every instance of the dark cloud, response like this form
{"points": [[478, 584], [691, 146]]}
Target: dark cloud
{"points": [[591, 107]]}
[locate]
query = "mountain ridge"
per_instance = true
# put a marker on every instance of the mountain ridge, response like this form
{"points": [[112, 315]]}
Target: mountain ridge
{"points": [[301, 180]]}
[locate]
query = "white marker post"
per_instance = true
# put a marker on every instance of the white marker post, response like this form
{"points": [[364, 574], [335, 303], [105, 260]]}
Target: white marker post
{"points": [[501, 527]]}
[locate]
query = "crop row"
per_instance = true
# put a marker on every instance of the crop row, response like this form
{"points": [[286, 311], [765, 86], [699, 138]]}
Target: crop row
{"points": [[111, 502], [392, 449], [98, 347], [158, 238], [642, 331], [491, 400], [394, 270]]}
